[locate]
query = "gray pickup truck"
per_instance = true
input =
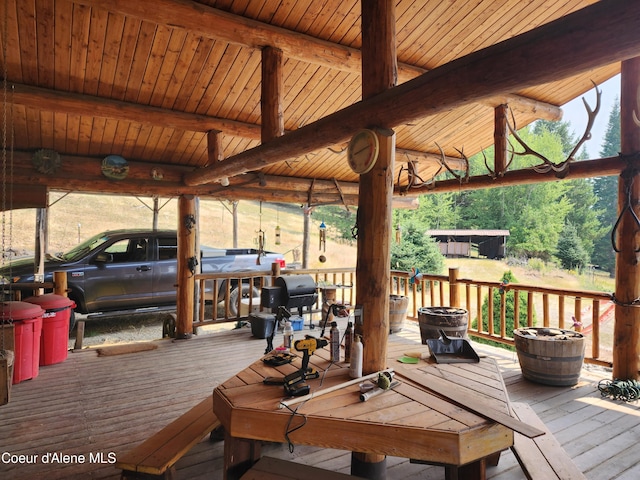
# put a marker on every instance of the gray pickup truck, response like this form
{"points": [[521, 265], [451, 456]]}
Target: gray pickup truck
{"points": [[131, 269]]}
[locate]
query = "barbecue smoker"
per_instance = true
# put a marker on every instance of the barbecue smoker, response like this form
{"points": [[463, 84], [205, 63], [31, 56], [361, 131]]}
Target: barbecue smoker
{"points": [[290, 291]]}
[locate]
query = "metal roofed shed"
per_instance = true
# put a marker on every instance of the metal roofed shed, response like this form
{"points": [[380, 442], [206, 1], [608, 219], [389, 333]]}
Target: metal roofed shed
{"points": [[459, 243]]}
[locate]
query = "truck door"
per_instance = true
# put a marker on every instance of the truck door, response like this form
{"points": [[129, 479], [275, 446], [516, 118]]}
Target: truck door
{"points": [[166, 271], [124, 280]]}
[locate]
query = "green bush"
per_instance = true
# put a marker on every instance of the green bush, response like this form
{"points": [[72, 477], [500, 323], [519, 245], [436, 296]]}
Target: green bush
{"points": [[509, 299], [416, 250]]}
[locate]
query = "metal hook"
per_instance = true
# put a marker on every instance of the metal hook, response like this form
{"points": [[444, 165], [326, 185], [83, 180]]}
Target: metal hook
{"points": [[628, 205]]}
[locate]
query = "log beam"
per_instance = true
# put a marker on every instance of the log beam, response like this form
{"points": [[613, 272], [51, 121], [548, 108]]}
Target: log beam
{"points": [[500, 140], [602, 167], [80, 104], [626, 332], [600, 34]]}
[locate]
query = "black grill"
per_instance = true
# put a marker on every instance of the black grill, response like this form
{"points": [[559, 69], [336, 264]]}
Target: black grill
{"points": [[290, 291]]}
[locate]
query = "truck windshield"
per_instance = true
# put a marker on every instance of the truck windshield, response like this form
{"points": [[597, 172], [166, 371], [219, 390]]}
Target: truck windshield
{"points": [[84, 248]]}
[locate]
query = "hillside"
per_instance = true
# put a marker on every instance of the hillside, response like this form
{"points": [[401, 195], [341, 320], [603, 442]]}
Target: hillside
{"points": [[75, 217]]}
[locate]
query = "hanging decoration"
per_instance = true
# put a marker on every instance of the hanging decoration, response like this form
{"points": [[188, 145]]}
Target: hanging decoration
{"points": [[278, 239], [260, 240], [46, 161], [323, 237], [114, 167]]}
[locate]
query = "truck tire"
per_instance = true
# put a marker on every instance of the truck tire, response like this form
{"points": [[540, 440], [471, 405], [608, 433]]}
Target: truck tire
{"points": [[246, 291]]}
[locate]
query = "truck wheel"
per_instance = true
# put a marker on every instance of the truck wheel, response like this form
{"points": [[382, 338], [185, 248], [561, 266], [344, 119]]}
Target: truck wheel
{"points": [[245, 291]]}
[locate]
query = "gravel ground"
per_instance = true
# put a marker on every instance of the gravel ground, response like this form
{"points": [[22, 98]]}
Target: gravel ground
{"points": [[106, 329]]}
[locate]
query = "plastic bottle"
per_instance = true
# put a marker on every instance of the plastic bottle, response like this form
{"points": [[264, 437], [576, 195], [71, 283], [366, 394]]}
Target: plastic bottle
{"points": [[288, 335], [355, 367], [334, 342], [348, 341]]}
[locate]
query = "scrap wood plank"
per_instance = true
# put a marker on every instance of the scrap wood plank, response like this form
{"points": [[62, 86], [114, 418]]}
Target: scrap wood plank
{"points": [[542, 457], [467, 399], [162, 450]]}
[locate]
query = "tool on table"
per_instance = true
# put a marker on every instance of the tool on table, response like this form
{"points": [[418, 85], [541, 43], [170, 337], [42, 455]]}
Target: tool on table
{"points": [[282, 313], [294, 401], [338, 311], [295, 383]]}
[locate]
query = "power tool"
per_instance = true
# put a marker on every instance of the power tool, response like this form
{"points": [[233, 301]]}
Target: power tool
{"points": [[294, 383]]}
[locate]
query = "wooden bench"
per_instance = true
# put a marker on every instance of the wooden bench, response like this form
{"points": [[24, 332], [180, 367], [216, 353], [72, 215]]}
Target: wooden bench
{"points": [[269, 468], [156, 456], [541, 457]]}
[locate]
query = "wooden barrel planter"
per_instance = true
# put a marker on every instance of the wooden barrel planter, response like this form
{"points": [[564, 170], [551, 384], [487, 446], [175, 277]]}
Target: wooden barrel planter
{"points": [[550, 356], [397, 312], [453, 321]]}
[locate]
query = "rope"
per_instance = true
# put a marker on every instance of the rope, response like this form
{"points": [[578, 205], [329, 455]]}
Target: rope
{"points": [[625, 390]]}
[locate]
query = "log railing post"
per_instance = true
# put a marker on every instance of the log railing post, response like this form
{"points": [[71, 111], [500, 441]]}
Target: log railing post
{"points": [[454, 287]]}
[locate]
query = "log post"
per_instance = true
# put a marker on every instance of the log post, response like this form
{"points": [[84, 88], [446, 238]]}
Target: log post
{"points": [[186, 254], [500, 140], [272, 93], [374, 209], [60, 284], [454, 287], [626, 335]]}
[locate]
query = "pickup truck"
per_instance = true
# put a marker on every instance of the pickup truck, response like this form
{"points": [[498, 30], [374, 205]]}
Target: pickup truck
{"points": [[131, 269]]}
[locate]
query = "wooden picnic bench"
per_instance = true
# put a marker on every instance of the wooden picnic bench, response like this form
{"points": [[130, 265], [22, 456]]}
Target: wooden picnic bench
{"points": [[156, 456], [541, 457]]}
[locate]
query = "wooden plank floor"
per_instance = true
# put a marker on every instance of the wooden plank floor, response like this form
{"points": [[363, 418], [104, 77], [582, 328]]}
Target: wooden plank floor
{"points": [[103, 406]]}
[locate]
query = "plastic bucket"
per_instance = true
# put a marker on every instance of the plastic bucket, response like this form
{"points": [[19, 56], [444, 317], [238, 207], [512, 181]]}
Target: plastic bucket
{"points": [[453, 321], [262, 324], [54, 341], [27, 321]]}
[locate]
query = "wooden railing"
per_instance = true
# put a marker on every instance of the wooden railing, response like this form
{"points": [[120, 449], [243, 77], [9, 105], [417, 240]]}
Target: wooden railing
{"points": [[221, 290], [545, 307]]}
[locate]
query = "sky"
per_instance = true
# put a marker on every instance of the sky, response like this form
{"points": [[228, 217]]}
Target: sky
{"points": [[576, 114]]}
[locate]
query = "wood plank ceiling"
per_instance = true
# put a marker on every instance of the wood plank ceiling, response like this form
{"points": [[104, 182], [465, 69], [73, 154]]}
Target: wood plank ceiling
{"points": [[148, 80]]}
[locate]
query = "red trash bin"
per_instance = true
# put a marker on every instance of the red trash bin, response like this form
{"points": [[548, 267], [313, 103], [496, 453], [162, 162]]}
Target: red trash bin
{"points": [[27, 321], [54, 341]]}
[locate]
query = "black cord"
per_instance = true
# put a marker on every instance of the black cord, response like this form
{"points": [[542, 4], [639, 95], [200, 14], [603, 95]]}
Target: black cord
{"points": [[291, 430]]}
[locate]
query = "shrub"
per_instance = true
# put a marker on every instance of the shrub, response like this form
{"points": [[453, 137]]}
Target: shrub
{"points": [[509, 299]]}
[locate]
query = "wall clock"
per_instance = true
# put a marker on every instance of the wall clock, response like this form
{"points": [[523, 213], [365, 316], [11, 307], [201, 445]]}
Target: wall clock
{"points": [[363, 150]]}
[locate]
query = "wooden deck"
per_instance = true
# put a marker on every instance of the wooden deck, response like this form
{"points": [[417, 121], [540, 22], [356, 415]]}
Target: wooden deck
{"points": [[102, 406]]}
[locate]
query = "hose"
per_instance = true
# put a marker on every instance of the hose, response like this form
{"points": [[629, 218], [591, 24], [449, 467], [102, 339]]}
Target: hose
{"points": [[625, 390]]}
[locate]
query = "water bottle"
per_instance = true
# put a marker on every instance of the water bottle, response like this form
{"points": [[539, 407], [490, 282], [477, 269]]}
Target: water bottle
{"points": [[355, 367], [288, 335], [348, 341], [334, 342]]}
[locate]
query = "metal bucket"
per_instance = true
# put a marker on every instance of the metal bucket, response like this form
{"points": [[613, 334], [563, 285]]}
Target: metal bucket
{"points": [[453, 321]]}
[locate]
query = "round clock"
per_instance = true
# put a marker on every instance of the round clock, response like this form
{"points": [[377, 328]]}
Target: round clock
{"points": [[362, 152]]}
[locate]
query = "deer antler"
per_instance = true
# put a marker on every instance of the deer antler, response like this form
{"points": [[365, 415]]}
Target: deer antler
{"points": [[461, 178], [635, 117], [561, 168]]}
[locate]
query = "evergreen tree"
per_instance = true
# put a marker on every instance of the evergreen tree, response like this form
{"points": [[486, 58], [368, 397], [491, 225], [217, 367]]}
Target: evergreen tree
{"points": [[606, 191], [416, 250], [571, 253]]}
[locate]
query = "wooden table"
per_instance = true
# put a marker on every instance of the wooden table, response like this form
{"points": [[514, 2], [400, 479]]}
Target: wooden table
{"points": [[410, 421]]}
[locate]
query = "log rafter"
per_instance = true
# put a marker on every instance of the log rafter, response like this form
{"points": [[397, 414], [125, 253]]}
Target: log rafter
{"points": [[600, 34]]}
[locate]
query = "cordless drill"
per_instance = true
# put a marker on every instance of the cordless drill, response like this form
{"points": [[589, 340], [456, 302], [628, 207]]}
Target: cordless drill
{"points": [[294, 383]]}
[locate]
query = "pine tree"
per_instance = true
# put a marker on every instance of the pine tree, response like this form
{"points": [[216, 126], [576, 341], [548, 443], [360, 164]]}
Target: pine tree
{"points": [[571, 253], [606, 191]]}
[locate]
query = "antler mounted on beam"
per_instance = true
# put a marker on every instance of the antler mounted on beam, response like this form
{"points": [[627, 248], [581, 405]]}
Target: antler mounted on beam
{"points": [[561, 169]]}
